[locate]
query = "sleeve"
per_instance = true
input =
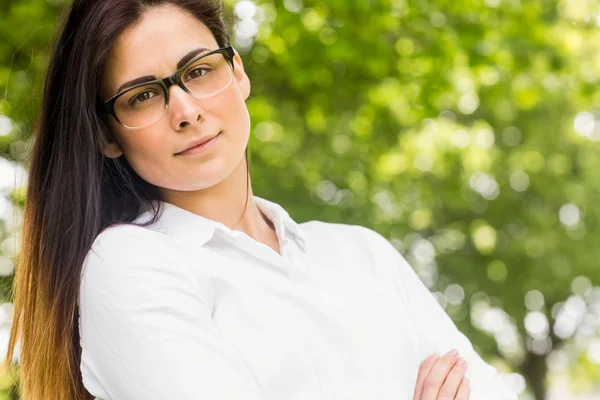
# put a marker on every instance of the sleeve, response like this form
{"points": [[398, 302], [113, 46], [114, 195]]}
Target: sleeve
{"points": [[145, 330], [435, 329]]}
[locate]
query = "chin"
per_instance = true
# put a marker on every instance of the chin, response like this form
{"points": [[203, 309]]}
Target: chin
{"points": [[195, 183], [203, 175]]}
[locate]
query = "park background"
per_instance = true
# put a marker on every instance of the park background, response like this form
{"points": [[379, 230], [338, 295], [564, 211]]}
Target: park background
{"points": [[465, 131]]}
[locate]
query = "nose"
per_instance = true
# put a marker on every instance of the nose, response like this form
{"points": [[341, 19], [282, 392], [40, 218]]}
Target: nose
{"points": [[184, 109]]}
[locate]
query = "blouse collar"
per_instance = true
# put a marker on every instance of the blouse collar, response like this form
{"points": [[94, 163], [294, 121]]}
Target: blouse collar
{"points": [[178, 222]]}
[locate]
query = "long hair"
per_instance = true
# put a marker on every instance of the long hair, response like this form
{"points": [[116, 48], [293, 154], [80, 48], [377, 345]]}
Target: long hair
{"points": [[74, 192]]}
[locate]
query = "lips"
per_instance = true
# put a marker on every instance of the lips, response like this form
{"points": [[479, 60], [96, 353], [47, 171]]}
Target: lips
{"points": [[197, 142]]}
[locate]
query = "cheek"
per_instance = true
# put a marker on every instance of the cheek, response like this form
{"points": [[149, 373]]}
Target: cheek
{"points": [[144, 143], [230, 107], [146, 150]]}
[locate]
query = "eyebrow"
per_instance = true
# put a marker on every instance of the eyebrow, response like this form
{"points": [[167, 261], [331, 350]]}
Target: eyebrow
{"points": [[184, 60]]}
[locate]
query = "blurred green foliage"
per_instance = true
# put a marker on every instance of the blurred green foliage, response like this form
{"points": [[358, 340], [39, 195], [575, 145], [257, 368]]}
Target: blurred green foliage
{"points": [[466, 131]]}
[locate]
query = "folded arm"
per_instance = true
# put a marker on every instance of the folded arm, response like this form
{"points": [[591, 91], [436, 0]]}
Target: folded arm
{"points": [[435, 329]]}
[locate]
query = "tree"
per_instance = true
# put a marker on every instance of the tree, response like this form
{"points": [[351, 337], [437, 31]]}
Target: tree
{"points": [[461, 130]]}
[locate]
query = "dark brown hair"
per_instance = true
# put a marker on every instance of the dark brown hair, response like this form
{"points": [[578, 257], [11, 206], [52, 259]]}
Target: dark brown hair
{"points": [[74, 192]]}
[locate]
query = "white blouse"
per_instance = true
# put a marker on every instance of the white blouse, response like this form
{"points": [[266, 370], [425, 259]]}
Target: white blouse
{"points": [[190, 309]]}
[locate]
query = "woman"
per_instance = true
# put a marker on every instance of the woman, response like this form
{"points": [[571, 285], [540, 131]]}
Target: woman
{"points": [[149, 270]]}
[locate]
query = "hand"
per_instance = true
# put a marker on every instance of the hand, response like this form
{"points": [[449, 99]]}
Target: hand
{"points": [[442, 378]]}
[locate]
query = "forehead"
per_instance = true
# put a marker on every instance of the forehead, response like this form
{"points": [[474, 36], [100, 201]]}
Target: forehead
{"points": [[154, 45]]}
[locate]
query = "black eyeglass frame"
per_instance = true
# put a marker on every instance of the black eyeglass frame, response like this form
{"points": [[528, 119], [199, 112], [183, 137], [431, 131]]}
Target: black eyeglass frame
{"points": [[174, 79]]}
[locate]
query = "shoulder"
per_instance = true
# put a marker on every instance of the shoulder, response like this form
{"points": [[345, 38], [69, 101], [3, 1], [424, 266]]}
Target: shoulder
{"points": [[355, 242], [128, 240], [131, 233], [122, 251], [344, 233]]}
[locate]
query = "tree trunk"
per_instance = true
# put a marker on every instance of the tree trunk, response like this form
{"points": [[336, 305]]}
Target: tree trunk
{"points": [[534, 369]]}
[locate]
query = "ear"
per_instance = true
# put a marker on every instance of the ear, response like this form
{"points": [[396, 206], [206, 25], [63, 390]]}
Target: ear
{"points": [[240, 75], [112, 150]]}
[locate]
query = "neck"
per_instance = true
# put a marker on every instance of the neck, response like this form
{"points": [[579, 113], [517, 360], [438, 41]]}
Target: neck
{"points": [[230, 202]]}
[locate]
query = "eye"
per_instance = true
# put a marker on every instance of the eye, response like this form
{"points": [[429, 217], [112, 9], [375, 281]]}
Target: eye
{"points": [[143, 97], [197, 73]]}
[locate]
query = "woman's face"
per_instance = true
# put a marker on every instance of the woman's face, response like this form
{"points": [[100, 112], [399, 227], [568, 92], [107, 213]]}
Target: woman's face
{"points": [[153, 47]]}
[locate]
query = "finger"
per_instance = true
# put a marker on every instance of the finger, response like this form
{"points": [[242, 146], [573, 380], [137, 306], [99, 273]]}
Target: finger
{"points": [[424, 369], [450, 386], [464, 390], [436, 377]]}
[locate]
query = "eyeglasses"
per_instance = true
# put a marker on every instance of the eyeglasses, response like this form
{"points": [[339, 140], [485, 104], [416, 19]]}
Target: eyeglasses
{"points": [[144, 104]]}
